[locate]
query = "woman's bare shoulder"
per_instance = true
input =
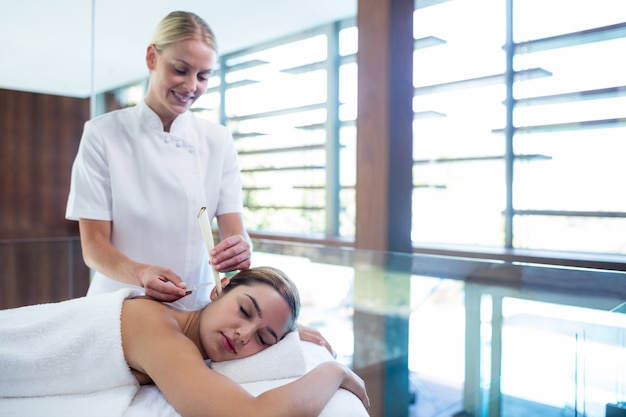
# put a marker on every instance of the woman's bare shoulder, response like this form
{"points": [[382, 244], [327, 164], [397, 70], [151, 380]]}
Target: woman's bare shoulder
{"points": [[144, 312], [149, 330]]}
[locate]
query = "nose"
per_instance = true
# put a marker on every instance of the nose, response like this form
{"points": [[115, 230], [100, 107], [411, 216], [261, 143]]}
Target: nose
{"points": [[244, 333], [191, 83]]}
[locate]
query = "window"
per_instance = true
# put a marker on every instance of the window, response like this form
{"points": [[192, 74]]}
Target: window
{"points": [[519, 120], [574, 117], [566, 96], [291, 108], [459, 160]]}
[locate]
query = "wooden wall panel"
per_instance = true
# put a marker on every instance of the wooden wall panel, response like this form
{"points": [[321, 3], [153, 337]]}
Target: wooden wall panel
{"points": [[41, 271], [39, 137]]}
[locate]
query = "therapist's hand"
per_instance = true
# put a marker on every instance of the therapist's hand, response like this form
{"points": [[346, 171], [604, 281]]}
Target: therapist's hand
{"points": [[231, 254], [312, 335], [157, 282]]}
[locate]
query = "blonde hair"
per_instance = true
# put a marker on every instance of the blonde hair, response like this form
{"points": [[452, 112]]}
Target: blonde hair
{"points": [[179, 26]]}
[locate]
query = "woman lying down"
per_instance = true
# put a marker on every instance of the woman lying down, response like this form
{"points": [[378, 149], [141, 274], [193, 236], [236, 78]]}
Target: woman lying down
{"points": [[83, 345]]}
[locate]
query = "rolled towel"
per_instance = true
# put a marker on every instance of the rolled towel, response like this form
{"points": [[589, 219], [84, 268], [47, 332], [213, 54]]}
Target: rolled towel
{"points": [[285, 359], [71, 347]]}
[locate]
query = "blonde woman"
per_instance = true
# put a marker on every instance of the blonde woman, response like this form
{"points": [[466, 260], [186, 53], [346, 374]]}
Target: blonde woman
{"points": [[142, 174]]}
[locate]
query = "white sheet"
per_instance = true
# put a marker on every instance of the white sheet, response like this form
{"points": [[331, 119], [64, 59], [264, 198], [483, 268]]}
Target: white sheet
{"points": [[108, 403]]}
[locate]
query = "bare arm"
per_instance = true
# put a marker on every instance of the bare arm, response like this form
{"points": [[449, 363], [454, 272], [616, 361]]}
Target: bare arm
{"points": [[154, 344], [99, 254], [235, 247], [309, 394], [196, 390]]}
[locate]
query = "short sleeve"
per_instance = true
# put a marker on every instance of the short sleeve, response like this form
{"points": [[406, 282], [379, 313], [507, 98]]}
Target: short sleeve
{"points": [[90, 189]]}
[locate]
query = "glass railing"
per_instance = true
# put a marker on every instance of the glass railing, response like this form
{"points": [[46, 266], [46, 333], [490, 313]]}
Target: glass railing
{"points": [[445, 336]]}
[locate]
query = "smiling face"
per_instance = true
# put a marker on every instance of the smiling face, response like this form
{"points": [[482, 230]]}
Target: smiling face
{"points": [[244, 321], [179, 74]]}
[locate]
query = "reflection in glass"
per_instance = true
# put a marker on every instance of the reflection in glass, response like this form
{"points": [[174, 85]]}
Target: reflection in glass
{"points": [[564, 357]]}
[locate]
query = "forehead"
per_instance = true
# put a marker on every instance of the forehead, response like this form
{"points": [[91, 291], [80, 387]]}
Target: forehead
{"points": [[192, 52], [274, 309]]}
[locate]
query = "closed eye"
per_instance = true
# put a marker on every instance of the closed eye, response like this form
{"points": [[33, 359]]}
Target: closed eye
{"points": [[204, 76], [180, 71], [244, 312]]}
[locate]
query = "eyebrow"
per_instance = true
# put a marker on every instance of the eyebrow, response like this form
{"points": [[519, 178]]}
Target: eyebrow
{"points": [[182, 61], [258, 311]]}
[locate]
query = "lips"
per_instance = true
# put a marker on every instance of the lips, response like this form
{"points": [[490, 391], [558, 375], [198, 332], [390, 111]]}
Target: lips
{"points": [[183, 98], [228, 344]]}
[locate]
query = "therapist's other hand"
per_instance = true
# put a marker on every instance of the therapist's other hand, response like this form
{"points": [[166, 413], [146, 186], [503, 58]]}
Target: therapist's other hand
{"points": [[157, 282], [231, 254], [312, 335]]}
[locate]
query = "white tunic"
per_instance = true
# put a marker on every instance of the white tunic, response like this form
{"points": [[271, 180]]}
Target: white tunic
{"points": [[151, 185]]}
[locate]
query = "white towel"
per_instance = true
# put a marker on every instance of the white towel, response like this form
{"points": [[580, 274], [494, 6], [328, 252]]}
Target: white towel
{"points": [[68, 348], [285, 359]]}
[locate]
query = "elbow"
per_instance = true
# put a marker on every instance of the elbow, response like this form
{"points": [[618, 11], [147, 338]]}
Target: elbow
{"points": [[88, 258]]}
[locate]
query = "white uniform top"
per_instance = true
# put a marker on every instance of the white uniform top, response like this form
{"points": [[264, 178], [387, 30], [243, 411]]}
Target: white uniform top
{"points": [[151, 184]]}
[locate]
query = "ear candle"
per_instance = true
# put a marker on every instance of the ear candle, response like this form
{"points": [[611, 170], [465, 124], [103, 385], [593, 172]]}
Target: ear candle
{"points": [[203, 218]]}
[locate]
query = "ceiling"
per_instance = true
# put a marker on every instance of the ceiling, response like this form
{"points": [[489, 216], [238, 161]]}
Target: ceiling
{"points": [[45, 46]]}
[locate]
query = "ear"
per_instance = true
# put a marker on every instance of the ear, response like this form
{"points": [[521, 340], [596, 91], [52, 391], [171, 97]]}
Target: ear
{"points": [[151, 57], [225, 281]]}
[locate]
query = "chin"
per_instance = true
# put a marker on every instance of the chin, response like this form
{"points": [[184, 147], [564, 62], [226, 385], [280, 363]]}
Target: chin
{"points": [[179, 108]]}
